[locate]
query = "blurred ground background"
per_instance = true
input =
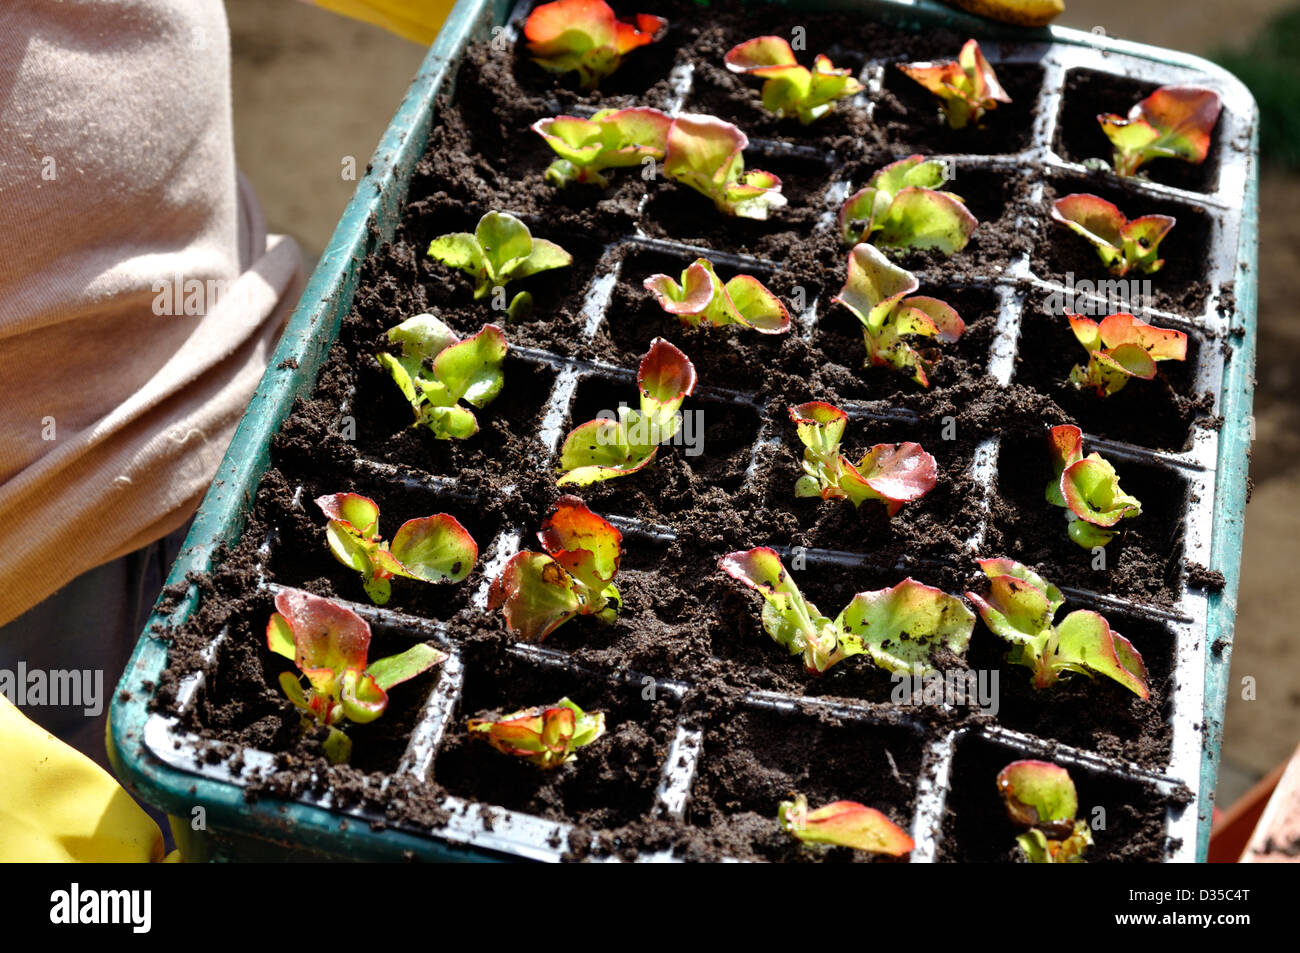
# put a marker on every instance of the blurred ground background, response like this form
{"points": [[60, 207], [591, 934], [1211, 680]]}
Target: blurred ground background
{"points": [[311, 88]]}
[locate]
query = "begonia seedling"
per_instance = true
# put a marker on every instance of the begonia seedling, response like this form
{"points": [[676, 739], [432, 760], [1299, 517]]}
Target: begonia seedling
{"points": [[1120, 347], [902, 206], [586, 37], [612, 138], [1040, 798], [501, 249], [843, 824], [702, 300], [1088, 489], [899, 628], [877, 293], [893, 473], [705, 153], [539, 592], [791, 90], [1123, 245], [1174, 122], [1021, 606], [605, 448], [967, 87], [432, 548], [545, 736], [330, 645], [436, 370]]}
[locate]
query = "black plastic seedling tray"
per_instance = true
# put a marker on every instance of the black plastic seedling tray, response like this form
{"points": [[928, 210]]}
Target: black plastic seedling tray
{"points": [[172, 766]]}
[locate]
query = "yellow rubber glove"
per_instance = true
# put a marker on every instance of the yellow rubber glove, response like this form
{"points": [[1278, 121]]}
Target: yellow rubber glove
{"points": [[415, 20], [58, 805]]}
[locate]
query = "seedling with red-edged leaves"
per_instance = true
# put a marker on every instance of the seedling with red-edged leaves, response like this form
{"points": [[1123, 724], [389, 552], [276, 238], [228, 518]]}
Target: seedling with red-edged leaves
{"points": [[1040, 798], [1087, 488], [843, 824], [501, 249], [893, 473], [612, 138], [330, 644], [1021, 606], [704, 153], [899, 628], [539, 592], [432, 548], [548, 737], [1123, 245], [967, 87], [1174, 122], [586, 37], [791, 90], [605, 448], [436, 370], [1120, 347], [703, 300], [902, 206], [877, 293]]}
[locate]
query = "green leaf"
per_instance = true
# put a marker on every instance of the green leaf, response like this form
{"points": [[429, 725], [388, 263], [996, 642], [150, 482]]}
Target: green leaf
{"points": [[1174, 122], [395, 669], [1086, 535], [326, 635], [347, 548], [520, 309], [789, 618], [599, 450], [504, 242], [704, 153], [471, 370], [459, 250], [544, 256], [912, 172], [1037, 793], [845, 824], [1033, 844], [874, 286], [902, 626], [279, 636], [665, 377], [435, 548], [378, 588], [401, 377], [421, 339], [691, 299], [921, 218], [537, 595], [291, 685], [1086, 642], [759, 308], [338, 747], [583, 543], [1021, 604], [448, 423], [1091, 490], [362, 699], [820, 426]]}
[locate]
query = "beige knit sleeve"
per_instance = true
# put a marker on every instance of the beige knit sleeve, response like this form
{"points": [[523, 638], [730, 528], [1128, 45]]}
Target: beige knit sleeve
{"points": [[140, 297]]}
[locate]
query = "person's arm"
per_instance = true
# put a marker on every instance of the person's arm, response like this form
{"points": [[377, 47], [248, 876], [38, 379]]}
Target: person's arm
{"points": [[415, 20]]}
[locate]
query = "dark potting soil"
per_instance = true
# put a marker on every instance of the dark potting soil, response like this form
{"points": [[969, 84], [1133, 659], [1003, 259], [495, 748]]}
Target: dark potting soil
{"points": [[682, 619], [1143, 562], [976, 828], [1158, 414], [1062, 257], [1079, 138]]}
